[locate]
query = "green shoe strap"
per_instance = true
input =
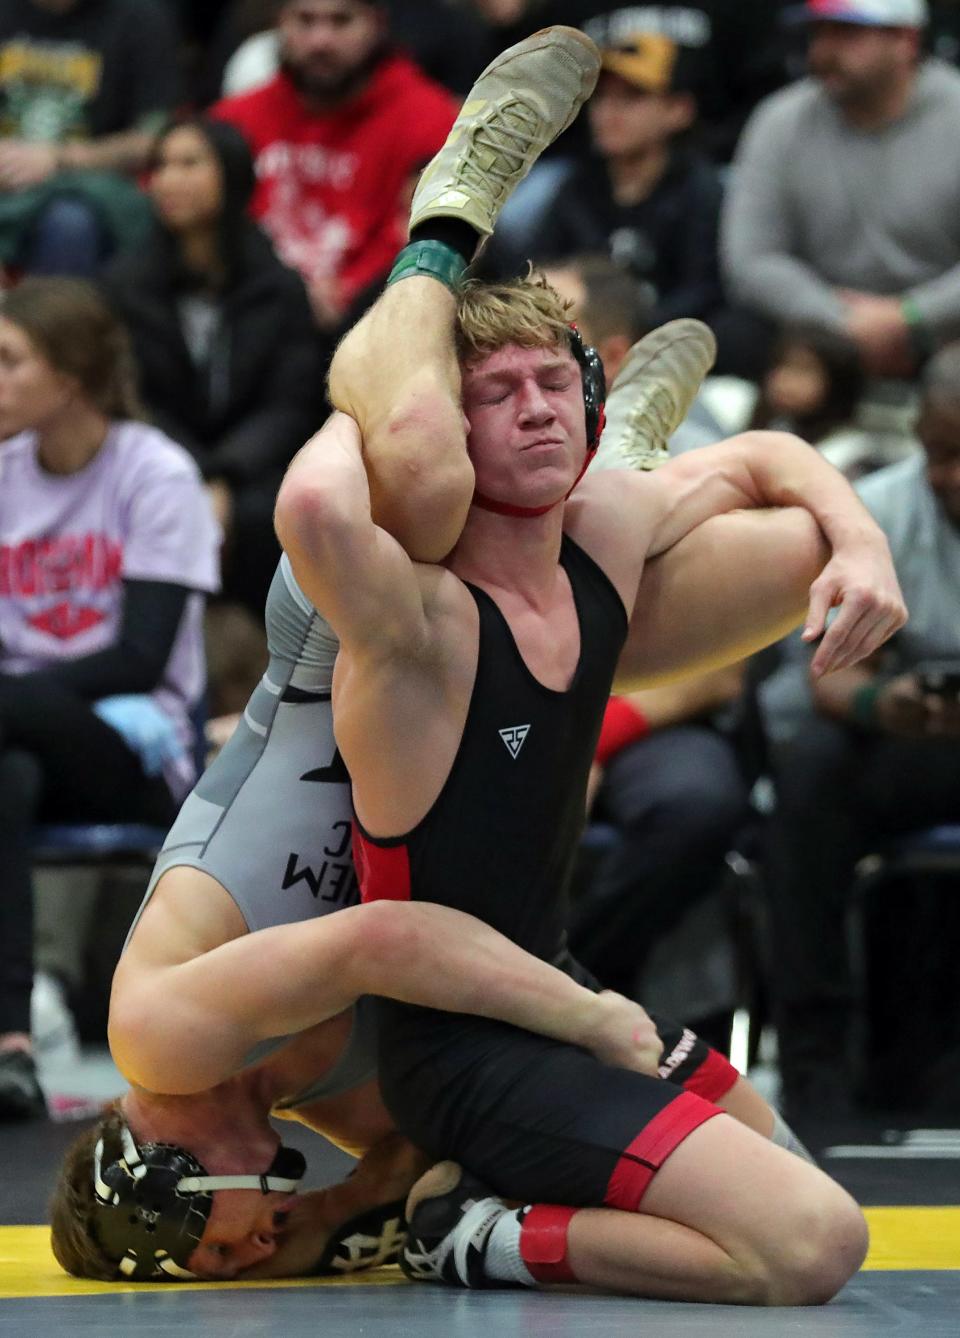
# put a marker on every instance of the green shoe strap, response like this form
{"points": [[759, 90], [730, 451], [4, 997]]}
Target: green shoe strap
{"points": [[429, 259]]}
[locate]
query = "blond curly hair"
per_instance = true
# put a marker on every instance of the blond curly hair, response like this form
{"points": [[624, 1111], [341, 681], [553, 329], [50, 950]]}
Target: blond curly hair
{"points": [[525, 311]]}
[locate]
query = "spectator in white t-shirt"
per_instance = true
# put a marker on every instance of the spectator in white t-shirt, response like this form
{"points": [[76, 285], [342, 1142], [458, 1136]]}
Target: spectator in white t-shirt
{"points": [[107, 549]]}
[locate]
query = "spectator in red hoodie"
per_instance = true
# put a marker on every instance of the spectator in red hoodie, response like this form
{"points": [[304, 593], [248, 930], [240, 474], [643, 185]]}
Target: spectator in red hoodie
{"points": [[336, 135]]}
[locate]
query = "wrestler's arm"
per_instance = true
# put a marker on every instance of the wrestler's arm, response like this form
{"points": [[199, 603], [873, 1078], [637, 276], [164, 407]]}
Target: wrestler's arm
{"points": [[775, 469], [737, 583], [352, 570], [185, 1027]]}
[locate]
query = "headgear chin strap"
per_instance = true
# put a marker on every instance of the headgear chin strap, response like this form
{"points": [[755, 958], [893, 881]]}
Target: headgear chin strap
{"points": [[153, 1203], [594, 398]]}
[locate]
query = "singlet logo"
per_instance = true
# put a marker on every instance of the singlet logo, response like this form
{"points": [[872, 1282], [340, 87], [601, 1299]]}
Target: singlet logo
{"points": [[514, 736]]}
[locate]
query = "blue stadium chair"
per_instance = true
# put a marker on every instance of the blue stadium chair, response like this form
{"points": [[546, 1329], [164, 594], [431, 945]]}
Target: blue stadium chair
{"points": [[932, 850], [62, 843]]}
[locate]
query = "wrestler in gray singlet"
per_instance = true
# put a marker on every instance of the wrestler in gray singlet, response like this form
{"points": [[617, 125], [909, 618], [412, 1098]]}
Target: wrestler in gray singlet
{"points": [[270, 818]]}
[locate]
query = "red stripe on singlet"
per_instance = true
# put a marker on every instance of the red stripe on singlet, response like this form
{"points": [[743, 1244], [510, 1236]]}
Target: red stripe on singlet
{"points": [[382, 871], [713, 1078], [651, 1148]]}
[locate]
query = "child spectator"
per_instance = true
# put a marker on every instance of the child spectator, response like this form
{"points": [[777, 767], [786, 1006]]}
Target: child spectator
{"points": [[814, 388], [230, 362], [107, 547]]}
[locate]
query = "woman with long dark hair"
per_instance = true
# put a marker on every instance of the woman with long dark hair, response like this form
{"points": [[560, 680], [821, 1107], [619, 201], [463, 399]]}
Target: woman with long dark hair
{"points": [[107, 547], [231, 364]]}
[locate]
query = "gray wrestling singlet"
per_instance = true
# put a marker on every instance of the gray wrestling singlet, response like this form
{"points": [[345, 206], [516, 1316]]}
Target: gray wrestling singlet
{"points": [[270, 818]]}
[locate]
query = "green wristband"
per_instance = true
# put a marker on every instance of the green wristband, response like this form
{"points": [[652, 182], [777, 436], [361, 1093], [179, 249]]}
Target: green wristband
{"points": [[863, 704], [429, 259]]}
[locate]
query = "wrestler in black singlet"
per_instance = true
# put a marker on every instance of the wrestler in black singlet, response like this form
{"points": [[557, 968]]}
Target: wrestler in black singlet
{"points": [[534, 1118]]}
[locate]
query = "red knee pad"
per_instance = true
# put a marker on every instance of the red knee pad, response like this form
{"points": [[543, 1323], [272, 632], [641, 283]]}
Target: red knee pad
{"points": [[543, 1242]]}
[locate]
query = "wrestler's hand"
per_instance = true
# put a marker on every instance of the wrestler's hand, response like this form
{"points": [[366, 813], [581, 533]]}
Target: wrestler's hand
{"points": [[624, 1036], [860, 581]]}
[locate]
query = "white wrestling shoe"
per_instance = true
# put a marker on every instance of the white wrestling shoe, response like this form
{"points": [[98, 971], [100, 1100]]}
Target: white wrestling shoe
{"points": [[520, 103], [652, 393], [450, 1216]]}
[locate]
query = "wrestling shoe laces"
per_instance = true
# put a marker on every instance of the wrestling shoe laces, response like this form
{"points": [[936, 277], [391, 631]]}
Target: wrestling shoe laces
{"points": [[652, 394], [520, 103], [450, 1216]]}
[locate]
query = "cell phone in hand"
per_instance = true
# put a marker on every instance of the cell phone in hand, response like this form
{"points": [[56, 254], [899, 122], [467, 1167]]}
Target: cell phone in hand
{"points": [[939, 678]]}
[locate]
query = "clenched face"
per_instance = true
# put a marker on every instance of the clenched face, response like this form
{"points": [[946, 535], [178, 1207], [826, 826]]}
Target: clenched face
{"points": [[527, 436]]}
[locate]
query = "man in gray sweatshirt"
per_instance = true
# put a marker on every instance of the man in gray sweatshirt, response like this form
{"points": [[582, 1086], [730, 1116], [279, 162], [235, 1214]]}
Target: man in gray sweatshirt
{"points": [[844, 206]]}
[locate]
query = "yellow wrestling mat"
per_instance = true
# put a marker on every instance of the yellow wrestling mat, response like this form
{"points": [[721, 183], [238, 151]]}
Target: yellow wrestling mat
{"points": [[28, 1268], [901, 1239]]}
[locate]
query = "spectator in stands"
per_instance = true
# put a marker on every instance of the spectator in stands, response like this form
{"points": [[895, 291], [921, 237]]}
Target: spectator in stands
{"points": [[671, 783], [335, 136], [845, 195], [230, 362], [645, 196], [107, 546], [737, 46], [84, 84], [813, 387], [869, 755], [737, 49], [448, 42]]}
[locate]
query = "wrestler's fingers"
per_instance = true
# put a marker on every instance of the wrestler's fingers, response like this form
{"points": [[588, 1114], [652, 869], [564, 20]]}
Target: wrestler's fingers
{"points": [[859, 640], [824, 594], [856, 646], [858, 609], [874, 636], [851, 610]]}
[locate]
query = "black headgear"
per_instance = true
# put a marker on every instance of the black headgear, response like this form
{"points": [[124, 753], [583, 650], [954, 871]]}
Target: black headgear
{"points": [[594, 387], [153, 1203], [594, 384]]}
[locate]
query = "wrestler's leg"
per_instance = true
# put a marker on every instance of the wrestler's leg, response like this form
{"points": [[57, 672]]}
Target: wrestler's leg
{"points": [[396, 371], [397, 374], [688, 1062], [676, 1200], [729, 1217]]}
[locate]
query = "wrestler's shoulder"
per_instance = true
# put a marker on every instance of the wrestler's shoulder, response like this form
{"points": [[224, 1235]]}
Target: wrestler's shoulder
{"points": [[609, 501]]}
